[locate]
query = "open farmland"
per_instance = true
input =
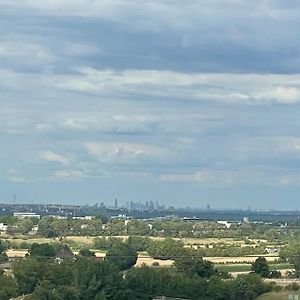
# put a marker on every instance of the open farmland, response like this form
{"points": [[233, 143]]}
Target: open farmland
{"points": [[212, 241], [11, 253], [283, 267], [148, 261], [88, 240], [240, 259]]}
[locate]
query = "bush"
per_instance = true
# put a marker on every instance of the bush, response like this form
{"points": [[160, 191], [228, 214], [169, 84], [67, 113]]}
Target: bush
{"points": [[261, 267], [42, 250], [86, 253], [122, 256], [138, 243], [275, 274], [166, 249]]}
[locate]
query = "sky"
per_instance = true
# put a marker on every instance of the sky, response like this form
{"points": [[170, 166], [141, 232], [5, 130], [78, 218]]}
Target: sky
{"points": [[187, 103]]}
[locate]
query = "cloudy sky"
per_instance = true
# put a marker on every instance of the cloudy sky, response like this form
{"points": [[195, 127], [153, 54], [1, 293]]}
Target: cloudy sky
{"points": [[184, 102]]}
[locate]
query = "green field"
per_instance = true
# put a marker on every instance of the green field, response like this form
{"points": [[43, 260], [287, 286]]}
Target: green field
{"points": [[277, 296], [247, 267]]}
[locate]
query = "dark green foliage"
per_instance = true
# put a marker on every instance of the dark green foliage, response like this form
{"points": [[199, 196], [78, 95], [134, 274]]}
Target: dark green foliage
{"points": [[248, 287], [29, 272], [87, 279], [261, 267], [42, 250], [9, 220], [86, 253], [68, 292], [226, 250], [292, 254], [8, 287], [275, 274], [3, 246], [191, 264], [3, 256], [147, 282], [122, 256], [137, 227], [46, 291], [166, 249], [93, 278], [104, 243], [60, 274], [204, 268], [51, 227], [138, 243], [103, 218], [62, 250]]}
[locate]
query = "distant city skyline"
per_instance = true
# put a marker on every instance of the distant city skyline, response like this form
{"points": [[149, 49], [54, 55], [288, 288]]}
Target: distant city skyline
{"points": [[185, 103]]}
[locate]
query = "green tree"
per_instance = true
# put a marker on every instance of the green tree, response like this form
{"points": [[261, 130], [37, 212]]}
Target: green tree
{"points": [[292, 253], [25, 225], [92, 277], [3, 255], [103, 218], [261, 267], [46, 291], [46, 228], [138, 243], [86, 253], [249, 287], [68, 292], [192, 264], [42, 250], [28, 272], [8, 286], [122, 256], [166, 249]]}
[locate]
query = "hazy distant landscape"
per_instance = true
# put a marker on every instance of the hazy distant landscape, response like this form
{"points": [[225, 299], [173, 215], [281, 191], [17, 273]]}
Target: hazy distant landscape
{"points": [[149, 150], [262, 255]]}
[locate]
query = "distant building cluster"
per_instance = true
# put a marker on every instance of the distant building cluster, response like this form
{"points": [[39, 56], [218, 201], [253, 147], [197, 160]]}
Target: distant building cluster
{"points": [[148, 205]]}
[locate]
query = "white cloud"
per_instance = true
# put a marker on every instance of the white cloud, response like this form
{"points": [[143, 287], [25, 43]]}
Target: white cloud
{"points": [[54, 157], [13, 176], [75, 124], [24, 52], [261, 148], [44, 127], [248, 177], [223, 87], [123, 152], [283, 94], [110, 84], [69, 174], [205, 177], [16, 179]]}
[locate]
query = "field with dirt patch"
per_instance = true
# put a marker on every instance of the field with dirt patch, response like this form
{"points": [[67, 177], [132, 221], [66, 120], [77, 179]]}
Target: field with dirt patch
{"points": [[240, 259], [11, 253], [277, 296], [149, 261]]}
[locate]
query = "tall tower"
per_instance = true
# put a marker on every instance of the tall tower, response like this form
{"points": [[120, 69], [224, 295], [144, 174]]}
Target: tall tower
{"points": [[116, 203]]}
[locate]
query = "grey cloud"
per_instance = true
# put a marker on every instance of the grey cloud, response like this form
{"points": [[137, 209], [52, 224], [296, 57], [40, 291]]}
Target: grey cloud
{"points": [[205, 36], [184, 98]]}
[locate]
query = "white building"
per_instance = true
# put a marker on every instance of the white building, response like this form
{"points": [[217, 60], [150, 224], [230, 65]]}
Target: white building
{"points": [[224, 223], [23, 215], [3, 227]]}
